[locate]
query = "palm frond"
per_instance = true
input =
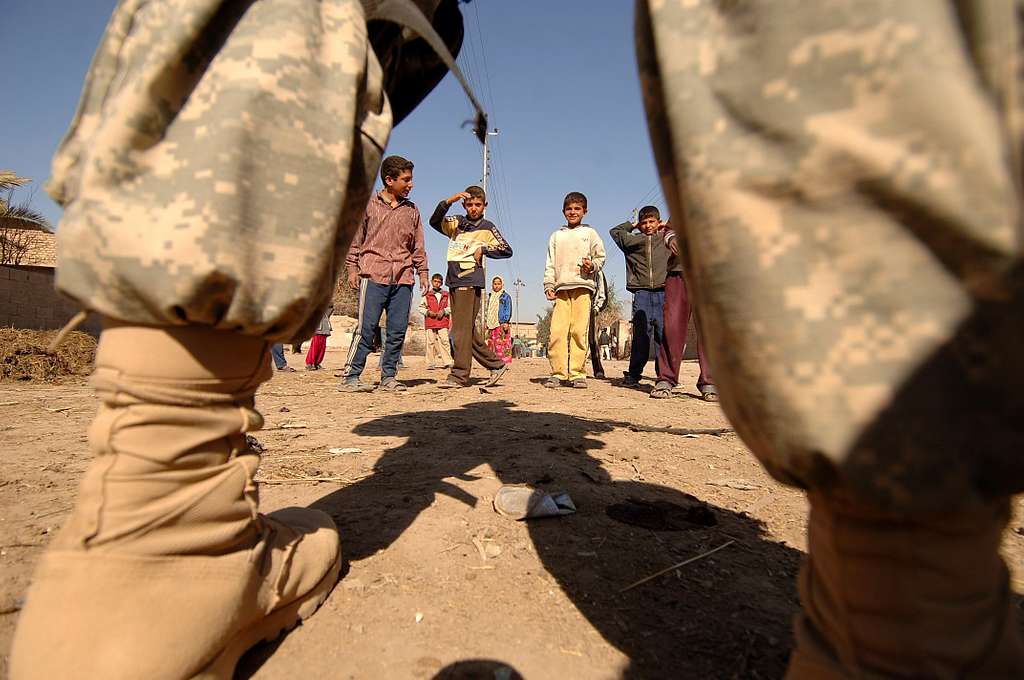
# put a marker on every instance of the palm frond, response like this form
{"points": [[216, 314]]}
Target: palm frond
{"points": [[10, 180], [22, 217]]}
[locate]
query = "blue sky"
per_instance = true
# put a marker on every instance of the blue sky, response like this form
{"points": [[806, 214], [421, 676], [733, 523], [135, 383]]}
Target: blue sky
{"points": [[558, 79]]}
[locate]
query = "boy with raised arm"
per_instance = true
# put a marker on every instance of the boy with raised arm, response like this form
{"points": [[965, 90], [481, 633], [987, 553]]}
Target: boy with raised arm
{"points": [[646, 266], [472, 237]]}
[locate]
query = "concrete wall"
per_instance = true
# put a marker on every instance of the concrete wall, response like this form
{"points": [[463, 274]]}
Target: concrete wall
{"points": [[344, 326], [28, 300]]}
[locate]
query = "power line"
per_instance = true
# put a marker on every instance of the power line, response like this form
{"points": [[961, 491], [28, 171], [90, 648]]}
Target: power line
{"points": [[483, 52]]}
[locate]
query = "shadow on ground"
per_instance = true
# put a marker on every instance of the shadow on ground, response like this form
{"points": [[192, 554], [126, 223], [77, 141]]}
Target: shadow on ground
{"points": [[725, 617]]}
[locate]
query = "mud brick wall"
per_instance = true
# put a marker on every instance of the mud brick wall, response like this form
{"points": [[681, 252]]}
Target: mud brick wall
{"points": [[28, 300]]}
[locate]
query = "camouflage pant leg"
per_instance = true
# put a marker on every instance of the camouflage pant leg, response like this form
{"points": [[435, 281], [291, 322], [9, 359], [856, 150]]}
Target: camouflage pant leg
{"points": [[220, 159], [844, 174]]}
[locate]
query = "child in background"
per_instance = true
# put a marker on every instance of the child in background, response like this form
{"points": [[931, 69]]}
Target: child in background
{"points": [[436, 321], [499, 313], [318, 344], [277, 352], [575, 257], [604, 341], [678, 307]]}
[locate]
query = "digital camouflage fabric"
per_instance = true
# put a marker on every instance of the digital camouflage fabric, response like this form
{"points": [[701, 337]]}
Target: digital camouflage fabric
{"points": [[845, 177], [220, 158]]}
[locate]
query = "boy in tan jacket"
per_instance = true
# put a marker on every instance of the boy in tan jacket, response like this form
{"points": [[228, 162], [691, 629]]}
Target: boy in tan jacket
{"points": [[575, 257]]}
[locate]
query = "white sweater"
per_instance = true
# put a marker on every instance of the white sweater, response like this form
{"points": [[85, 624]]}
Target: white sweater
{"points": [[566, 250]]}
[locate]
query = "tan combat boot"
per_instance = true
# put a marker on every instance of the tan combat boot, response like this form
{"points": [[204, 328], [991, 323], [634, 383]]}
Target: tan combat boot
{"points": [[892, 596], [165, 568]]}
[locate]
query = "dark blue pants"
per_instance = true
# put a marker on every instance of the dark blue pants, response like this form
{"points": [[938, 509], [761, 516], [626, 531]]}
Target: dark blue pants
{"points": [[375, 300], [277, 351], [648, 326]]}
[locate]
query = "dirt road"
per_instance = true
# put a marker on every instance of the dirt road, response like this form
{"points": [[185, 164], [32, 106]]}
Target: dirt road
{"points": [[434, 575]]}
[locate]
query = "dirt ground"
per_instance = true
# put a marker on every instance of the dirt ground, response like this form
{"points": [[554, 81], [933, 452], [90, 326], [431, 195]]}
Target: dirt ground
{"points": [[434, 576]]}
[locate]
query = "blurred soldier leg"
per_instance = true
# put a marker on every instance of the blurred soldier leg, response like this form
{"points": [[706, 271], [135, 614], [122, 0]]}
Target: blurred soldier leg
{"points": [[165, 549], [846, 179], [205, 192]]}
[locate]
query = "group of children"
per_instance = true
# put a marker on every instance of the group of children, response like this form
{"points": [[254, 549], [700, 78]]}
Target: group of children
{"points": [[388, 252], [661, 306]]}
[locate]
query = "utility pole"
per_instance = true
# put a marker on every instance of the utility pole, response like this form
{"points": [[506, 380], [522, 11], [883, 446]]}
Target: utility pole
{"points": [[482, 320], [517, 284]]}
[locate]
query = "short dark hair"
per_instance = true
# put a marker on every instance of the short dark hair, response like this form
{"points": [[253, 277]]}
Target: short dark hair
{"points": [[574, 197], [476, 192], [393, 166], [649, 211], [436, 276]]}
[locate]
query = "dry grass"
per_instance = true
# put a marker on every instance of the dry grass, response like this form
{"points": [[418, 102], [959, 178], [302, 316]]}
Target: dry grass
{"points": [[24, 355]]}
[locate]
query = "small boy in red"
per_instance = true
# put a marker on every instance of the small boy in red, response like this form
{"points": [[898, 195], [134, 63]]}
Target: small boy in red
{"points": [[437, 321]]}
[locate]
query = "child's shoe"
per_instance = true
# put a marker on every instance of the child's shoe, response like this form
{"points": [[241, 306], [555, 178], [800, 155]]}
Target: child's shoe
{"points": [[662, 390], [392, 385], [451, 382], [355, 385], [496, 376]]}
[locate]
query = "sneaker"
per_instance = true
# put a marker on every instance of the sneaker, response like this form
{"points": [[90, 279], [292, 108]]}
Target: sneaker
{"points": [[552, 382], [286, 369], [451, 382], [580, 383], [662, 390], [392, 385], [496, 376], [355, 385]]}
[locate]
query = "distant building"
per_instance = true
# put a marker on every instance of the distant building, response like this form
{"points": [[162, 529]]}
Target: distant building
{"points": [[28, 298], [526, 330]]}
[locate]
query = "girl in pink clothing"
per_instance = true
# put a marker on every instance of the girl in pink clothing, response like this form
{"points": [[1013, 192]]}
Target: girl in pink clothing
{"points": [[499, 313]]}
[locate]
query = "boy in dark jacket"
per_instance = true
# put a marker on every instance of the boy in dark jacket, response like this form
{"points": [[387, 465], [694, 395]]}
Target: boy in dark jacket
{"points": [[646, 266], [471, 239]]}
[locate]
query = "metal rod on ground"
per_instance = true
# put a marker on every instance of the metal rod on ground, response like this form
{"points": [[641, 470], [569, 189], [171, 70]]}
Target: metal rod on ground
{"points": [[676, 566]]}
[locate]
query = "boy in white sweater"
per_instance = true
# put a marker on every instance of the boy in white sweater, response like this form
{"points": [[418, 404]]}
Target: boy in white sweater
{"points": [[575, 256]]}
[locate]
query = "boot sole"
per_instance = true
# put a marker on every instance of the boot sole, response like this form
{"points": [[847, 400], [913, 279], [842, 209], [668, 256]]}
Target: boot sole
{"points": [[271, 627]]}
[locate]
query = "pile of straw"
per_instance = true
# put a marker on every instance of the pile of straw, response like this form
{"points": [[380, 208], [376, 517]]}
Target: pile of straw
{"points": [[24, 355]]}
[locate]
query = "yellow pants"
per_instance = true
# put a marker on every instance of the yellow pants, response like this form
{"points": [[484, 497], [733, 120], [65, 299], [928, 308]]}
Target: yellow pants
{"points": [[567, 348]]}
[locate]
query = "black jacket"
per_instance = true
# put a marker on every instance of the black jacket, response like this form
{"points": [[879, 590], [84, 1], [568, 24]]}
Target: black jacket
{"points": [[646, 257]]}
